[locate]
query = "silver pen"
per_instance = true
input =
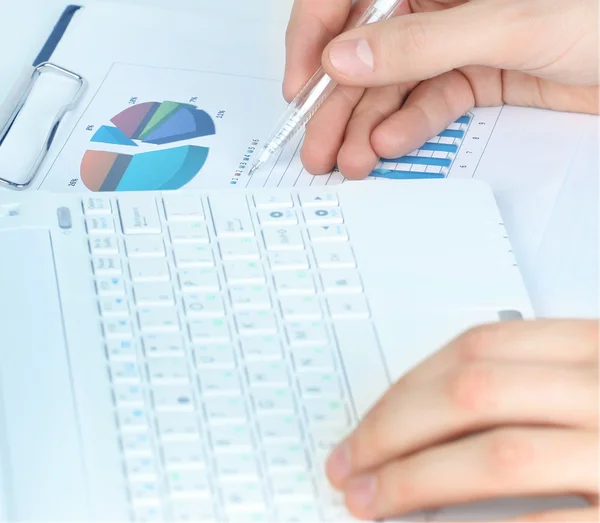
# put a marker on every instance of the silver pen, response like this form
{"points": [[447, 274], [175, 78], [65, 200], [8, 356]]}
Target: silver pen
{"points": [[314, 93]]}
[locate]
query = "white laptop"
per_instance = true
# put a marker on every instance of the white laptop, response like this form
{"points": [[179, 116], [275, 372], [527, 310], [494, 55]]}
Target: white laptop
{"points": [[195, 356]]}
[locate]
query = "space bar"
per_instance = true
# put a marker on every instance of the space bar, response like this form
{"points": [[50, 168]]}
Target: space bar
{"points": [[39, 425]]}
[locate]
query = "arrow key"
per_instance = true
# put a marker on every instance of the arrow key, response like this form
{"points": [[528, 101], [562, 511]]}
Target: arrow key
{"points": [[328, 233]]}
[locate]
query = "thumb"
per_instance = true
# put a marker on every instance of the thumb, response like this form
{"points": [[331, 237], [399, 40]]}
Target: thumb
{"points": [[415, 47]]}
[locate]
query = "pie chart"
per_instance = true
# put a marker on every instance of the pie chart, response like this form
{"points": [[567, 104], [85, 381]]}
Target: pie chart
{"points": [[156, 123]]}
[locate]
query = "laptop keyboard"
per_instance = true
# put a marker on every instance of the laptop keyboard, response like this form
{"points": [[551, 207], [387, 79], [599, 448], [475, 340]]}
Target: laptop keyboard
{"points": [[223, 319]]}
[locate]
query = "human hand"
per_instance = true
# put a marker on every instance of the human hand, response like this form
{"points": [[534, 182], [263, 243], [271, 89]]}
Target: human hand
{"points": [[429, 65], [509, 409]]}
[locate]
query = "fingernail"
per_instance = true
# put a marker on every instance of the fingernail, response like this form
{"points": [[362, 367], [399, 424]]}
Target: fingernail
{"points": [[361, 491], [352, 57], [338, 464]]}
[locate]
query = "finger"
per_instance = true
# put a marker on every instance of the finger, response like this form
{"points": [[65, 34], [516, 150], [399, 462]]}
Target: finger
{"points": [[356, 158], [572, 342], [428, 110], [586, 514], [467, 399], [313, 24], [501, 463], [325, 131], [419, 46]]}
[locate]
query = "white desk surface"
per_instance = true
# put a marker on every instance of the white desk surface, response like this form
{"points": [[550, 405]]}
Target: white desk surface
{"points": [[561, 272]]}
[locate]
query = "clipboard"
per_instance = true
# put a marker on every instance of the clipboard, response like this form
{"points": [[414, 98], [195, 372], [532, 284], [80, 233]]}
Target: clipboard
{"points": [[43, 65]]}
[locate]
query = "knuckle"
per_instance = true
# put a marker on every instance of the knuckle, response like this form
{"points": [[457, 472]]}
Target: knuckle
{"points": [[509, 452], [472, 387], [475, 343]]}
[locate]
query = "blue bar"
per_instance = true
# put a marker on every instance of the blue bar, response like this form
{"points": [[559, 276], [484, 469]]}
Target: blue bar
{"points": [[444, 147], [451, 133], [424, 160], [464, 119], [405, 175]]}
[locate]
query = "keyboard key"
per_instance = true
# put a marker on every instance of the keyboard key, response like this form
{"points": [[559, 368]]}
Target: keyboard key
{"points": [[324, 216], [308, 359], [113, 307], [267, 374], [136, 444], [125, 372], [140, 468], [154, 295], [145, 246], [348, 307], [286, 457], [147, 492], [275, 429], [319, 384], [300, 308], [110, 286], [341, 281], [237, 467], [189, 484], [158, 319], [214, 356], [149, 271], [240, 272], [225, 410], [334, 256], [183, 208], [292, 487], [173, 398], [273, 200], [219, 382], [188, 256], [289, 261], [318, 199], [232, 438], [100, 225], [255, 323], [193, 511], [283, 239], [298, 512], [106, 266], [168, 371], [209, 331], [260, 348], [294, 282], [189, 233], [177, 426], [330, 412], [139, 216], [121, 350], [117, 329], [250, 297], [132, 418], [181, 455], [231, 215], [274, 401], [307, 334], [204, 305], [278, 217], [96, 206], [325, 439], [128, 395], [246, 496], [194, 280], [239, 249], [163, 346], [328, 233], [103, 245]]}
